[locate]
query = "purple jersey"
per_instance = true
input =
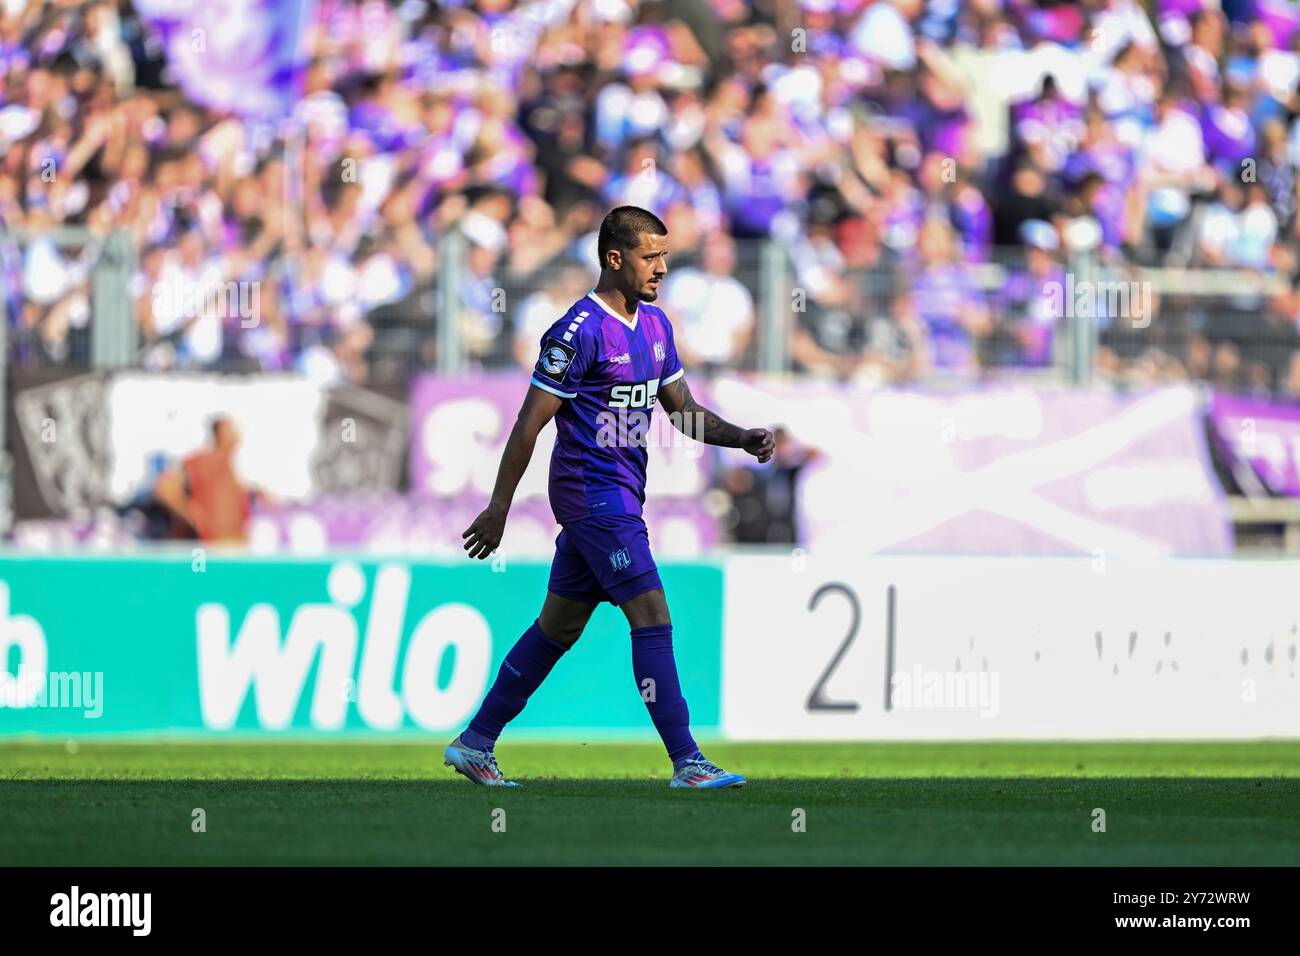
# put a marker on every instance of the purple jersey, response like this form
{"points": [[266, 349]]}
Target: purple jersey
{"points": [[610, 371]]}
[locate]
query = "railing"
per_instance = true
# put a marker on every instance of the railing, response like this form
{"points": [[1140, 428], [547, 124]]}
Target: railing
{"points": [[1266, 526], [1059, 318]]}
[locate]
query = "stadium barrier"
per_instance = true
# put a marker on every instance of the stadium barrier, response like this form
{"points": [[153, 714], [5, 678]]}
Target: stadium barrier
{"points": [[769, 647], [952, 648], [1009, 468], [204, 644]]}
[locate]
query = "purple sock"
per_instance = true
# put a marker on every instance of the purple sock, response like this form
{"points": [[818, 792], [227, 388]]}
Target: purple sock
{"points": [[655, 671], [521, 673]]}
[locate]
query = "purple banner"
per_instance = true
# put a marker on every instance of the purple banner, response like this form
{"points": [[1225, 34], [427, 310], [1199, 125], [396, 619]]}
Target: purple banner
{"points": [[397, 524], [1263, 436], [246, 56], [459, 428], [1003, 470]]}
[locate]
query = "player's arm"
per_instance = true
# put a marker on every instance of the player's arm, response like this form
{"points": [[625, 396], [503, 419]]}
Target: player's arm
{"points": [[694, 420], [484, 535]]}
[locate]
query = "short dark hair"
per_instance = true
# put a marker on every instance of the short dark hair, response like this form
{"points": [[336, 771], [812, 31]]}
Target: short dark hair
{"points": [[214, 425], [622, 229]]}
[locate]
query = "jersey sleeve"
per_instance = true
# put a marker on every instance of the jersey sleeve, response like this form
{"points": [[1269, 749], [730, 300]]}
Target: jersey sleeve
{"points": [[567, 351], [672, 369]]}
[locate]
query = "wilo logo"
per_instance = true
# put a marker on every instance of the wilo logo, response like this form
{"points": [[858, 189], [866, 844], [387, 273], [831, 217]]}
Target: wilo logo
{"points": [[276, 669], [1091, 300], [22, 631]]}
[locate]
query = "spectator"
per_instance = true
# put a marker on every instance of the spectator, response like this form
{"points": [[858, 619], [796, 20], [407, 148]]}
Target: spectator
{"points": [[537, 312], [1028, 318], [764, 502], [948, 301], [893, 115], [205, 494], [713, 312]]}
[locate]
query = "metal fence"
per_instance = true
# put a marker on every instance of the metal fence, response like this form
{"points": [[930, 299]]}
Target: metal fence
{"points": [[76, 299], [795, 308]]}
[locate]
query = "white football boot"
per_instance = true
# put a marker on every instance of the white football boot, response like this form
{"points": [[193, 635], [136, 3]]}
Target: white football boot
{"points": [[479, 765]]}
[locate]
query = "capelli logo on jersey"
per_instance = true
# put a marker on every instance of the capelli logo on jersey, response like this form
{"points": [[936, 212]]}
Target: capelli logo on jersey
{"points": [[624, 359]]}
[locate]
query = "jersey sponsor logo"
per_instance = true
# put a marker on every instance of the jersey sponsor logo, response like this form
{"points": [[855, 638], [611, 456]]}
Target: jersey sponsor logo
{"points": [[640, 395], [620, 560], [555, 359], [623, 359], [659, 351]]}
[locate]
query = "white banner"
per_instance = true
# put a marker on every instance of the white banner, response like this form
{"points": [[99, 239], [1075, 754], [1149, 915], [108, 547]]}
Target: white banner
{"points": [[298, 438], [1005, 469], [277, 416], [1006, 648]]}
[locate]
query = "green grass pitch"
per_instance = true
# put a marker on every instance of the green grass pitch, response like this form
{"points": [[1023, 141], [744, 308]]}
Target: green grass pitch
{"points": [[606, 803]]}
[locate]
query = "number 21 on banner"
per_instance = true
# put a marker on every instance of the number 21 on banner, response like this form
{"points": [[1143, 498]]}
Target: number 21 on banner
{"points": [[818, 698]]}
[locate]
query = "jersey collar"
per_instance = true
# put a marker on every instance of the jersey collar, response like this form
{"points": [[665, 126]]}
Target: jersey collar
{"points": [[600, 302]]}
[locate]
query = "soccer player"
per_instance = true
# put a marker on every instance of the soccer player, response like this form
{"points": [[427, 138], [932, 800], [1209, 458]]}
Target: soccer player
{"points": [[601, 370]]}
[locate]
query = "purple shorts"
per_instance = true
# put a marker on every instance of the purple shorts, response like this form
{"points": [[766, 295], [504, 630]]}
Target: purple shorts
{"points": [[605, 558]]}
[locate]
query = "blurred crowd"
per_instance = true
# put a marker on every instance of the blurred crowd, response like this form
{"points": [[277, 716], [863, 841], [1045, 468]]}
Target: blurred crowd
{"points": [[930, 170]]}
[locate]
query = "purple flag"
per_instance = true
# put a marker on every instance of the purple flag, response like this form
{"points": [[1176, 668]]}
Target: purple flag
{"points": [[246, 56], [1263, 435]]}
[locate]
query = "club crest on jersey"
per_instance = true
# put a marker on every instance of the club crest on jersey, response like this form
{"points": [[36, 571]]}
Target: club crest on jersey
{"points": [[620, 559], [555, 359], [659, 352]]}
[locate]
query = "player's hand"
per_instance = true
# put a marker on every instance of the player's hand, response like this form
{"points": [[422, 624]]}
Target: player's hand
{"points": [[484, 535], [759, 443]]}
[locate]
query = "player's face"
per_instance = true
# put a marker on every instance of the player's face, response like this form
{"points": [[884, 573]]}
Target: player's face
{"points": [[645, 266]]}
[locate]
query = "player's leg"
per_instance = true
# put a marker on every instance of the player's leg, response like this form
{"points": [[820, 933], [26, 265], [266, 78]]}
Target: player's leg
{"points": [[617, 552], [564, 619], [654, 667], [526, 665], [571, 597], [617, 549]]}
